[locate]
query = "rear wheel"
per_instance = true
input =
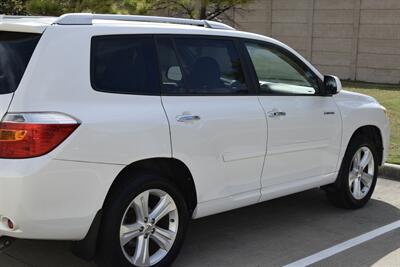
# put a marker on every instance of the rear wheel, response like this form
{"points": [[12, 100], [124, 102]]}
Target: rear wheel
{"points": [[357, 176], [144, 224]]}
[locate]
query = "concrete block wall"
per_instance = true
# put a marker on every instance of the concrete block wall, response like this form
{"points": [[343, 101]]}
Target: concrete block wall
{"points": [[379, 41], [291, 24], [354, 39], [256, 17]]}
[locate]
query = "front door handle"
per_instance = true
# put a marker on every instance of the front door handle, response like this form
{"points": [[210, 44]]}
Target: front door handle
{"points": [[275, 114], [187, 118]]}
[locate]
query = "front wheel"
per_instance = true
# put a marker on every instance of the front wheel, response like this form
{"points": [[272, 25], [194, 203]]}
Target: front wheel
{"points": [[144, 223], [357, 176]]}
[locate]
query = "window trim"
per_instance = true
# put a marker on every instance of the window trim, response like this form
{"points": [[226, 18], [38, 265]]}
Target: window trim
{"points": [[157, 89], [236, 42], [289, 54], [178, 58]]}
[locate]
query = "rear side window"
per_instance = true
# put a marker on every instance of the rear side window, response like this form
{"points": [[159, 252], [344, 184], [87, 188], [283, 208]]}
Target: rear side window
{"points": [[201, 66], [124, 64], [16, 50]]}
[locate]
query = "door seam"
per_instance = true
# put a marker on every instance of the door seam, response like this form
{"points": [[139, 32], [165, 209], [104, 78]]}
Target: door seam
{"points": [[266, 147], [169, 126]]}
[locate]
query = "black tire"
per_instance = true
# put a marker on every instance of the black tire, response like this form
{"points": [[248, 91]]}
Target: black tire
{"points": [[110, 253], [339, 193]]}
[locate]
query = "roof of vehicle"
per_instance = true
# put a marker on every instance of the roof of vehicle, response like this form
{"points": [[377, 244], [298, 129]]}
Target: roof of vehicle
{"points": [[39, 24], [25, 23], [152, 24]]}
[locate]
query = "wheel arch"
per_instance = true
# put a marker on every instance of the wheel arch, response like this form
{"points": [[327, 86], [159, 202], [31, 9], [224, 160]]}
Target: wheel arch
{"points": [[172, 169], [374, 133]]}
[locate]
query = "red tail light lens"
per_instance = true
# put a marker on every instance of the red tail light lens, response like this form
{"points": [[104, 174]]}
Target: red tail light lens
{"points": [[27, 135]]}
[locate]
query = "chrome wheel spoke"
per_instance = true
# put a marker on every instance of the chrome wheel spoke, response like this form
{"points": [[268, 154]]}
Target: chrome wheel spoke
{"points": [[357, 160], [129, 232], [164, 207], [352, 176], [163, 238], [357, 188], [141, 206], [142, 256], [366, 179], [366, 159]]}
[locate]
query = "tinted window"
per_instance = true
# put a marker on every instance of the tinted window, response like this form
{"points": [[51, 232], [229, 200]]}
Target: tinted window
{"points": [[124, 64], [279, 73], [171, 72], [205, 66], [16, 50]]}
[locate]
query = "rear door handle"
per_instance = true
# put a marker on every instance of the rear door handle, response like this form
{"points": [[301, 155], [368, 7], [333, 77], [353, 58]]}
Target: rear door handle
{"points": [[274, 114], [187, 118]]}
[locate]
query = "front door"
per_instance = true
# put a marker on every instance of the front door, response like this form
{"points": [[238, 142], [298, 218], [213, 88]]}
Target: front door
{"points": [[304, 127]]}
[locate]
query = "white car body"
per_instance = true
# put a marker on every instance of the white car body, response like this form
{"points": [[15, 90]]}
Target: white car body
{"points": [[237, 154]]}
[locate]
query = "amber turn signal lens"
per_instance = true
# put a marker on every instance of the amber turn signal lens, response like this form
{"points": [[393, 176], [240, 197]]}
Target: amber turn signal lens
{"points": [[12, 135]]}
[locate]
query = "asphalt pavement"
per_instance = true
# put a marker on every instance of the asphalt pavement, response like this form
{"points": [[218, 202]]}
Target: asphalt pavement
{"points": [[274, 233]]}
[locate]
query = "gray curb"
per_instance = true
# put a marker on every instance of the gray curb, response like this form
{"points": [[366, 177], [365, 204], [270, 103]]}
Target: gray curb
{"points": [[390, 171]]}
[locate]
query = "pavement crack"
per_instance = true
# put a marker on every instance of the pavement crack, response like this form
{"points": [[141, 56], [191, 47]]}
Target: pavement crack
{"points": [[18, 260]]}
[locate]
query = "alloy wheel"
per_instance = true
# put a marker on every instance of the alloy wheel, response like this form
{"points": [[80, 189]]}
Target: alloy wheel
{"points": [[149, 228], [361, 173]]}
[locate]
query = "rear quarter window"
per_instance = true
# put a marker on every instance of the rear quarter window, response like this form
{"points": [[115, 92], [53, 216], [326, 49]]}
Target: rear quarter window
{"points": [[16, 50], [124, 64]]}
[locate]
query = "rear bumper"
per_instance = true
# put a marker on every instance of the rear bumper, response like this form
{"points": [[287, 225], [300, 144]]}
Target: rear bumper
{"points": [[52, 199]]}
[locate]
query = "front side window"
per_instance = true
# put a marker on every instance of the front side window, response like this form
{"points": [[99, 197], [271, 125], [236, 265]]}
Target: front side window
{"points": [[201, 66], [278, 73], [16, 49], [124, 64]]}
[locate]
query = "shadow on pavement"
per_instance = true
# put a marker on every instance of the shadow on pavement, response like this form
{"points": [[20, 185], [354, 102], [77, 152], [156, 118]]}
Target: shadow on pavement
{"points": [[280, 231]]}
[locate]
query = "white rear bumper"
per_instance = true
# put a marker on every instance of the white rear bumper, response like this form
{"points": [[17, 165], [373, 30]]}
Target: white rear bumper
{"points": [[52, 199]]}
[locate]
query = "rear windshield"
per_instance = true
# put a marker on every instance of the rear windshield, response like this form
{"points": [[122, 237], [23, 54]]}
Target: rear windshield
{"points": [[16, 50]]}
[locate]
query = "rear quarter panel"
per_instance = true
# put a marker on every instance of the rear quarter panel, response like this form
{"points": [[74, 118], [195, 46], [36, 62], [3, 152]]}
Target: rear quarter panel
{"points": [[115, 128]]}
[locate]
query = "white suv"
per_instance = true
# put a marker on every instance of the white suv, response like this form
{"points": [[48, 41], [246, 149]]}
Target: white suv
{"points": [[117, 130]]}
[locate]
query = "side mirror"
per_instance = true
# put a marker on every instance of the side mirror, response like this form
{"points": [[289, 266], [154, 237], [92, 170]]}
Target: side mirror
{"points": [[174, 74], [332, 84]]}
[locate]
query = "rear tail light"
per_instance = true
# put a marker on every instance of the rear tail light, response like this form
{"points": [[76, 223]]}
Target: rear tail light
{"points": [[27, 135]]}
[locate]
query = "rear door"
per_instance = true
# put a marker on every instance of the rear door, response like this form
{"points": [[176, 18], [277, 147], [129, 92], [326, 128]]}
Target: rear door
{"points": [[218, 127], [16, 49]]}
